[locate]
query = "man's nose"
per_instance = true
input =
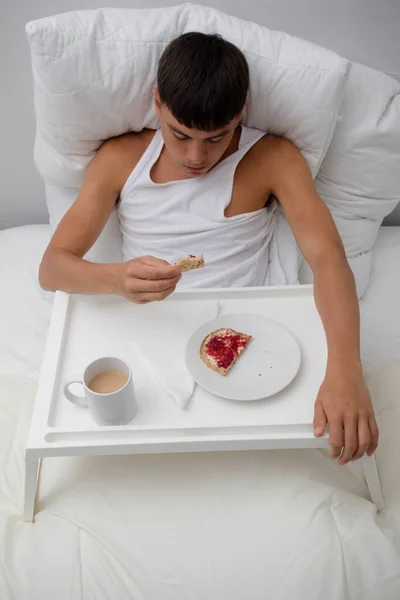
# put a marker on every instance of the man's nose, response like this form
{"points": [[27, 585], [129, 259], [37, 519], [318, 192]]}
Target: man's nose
{"points": [[196, 154]]}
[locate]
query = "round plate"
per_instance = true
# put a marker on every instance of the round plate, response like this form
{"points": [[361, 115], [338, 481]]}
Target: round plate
{"points": [[269, 363]]}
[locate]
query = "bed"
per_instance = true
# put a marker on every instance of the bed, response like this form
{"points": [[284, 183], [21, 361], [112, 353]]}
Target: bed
{"points": [[268, 525], [234, 525]]}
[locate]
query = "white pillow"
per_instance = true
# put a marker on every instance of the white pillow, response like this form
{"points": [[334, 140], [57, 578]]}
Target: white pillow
{"points": [[359, 178], [94, 74]]}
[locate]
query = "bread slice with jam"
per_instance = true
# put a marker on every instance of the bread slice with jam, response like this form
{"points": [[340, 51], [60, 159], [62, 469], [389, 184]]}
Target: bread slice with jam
{"points": [[221, 349]]}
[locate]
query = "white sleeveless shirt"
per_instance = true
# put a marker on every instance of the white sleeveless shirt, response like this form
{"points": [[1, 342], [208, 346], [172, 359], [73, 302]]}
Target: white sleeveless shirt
{"points": [[174, 219]]}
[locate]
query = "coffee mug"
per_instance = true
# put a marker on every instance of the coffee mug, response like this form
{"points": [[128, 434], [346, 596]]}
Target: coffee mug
{"points": [[112, 406]]}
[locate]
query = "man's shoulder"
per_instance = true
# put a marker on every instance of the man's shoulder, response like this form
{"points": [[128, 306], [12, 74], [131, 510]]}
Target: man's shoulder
{"points": [[119, 155], [268, 163], [276, 147], [131, 144], [273, 155]]}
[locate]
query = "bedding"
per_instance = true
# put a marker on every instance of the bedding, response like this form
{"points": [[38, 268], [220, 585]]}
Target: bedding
{"points": [[83, 95], [237, 525], [359, 177], [344, 118]]}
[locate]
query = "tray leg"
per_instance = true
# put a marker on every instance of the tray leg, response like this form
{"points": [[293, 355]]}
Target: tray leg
{"points": [[373, 482], [31, 478]]}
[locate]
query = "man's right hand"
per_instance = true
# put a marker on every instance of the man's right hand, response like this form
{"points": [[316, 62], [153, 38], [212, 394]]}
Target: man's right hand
{"points": [[146, 279]]}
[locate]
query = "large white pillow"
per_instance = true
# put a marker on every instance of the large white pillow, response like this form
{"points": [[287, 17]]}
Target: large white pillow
{"points": [[94, 74], [359, 178]]}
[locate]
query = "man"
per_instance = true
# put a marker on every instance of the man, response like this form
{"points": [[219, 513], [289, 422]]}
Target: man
{"points": [[202, 183]]}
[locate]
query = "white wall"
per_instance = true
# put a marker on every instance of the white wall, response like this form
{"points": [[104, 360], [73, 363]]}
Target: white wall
{"points": [[364, 30]]}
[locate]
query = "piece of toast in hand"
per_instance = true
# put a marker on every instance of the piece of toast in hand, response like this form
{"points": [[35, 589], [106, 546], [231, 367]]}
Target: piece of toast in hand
{"points": [[220, 349], [187, 263]]}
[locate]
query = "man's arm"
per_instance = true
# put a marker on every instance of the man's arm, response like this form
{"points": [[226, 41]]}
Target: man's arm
{"points": [[343, 400], [63, 267]]}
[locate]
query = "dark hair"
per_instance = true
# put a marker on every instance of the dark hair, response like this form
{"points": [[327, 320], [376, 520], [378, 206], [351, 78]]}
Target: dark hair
{"points": [[203, 80]]}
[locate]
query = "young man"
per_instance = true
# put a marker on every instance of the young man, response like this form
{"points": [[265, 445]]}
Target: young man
{"points": [[202, 183]]}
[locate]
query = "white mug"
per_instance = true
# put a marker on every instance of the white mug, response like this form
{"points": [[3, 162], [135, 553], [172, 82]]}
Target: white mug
{"points": [[113, 408]]}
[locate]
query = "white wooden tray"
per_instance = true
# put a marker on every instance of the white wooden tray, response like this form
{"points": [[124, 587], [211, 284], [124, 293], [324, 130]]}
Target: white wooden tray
{"points": [[86, 327]]}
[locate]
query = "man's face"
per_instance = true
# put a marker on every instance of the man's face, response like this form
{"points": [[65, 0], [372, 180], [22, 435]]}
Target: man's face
{"points": [[191, 150]]}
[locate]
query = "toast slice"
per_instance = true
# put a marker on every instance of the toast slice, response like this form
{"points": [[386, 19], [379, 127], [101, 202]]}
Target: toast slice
{"points": [[221, 349], [187, 263]]}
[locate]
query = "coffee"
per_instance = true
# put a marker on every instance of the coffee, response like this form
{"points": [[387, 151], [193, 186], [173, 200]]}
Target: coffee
{"points": [[107, 382]]}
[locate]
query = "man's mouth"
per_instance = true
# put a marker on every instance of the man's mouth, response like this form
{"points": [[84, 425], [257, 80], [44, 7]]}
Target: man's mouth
{"points": [[196, 169]]}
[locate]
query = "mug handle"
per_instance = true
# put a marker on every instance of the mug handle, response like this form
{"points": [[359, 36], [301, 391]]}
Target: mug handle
{"points": [[74, 398]]}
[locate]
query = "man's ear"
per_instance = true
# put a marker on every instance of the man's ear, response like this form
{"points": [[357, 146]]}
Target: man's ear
{"points": [[240, 115], [157, 101]]}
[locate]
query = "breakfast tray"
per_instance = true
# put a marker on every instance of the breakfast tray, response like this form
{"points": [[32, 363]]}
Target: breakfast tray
{"points": [[84, 328]]}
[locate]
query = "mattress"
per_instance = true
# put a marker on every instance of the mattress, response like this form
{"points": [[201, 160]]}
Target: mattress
{"points": [[281, 525]]}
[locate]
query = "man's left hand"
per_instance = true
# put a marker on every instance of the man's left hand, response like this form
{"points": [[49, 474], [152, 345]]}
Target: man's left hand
{"points": [[344, 404]]}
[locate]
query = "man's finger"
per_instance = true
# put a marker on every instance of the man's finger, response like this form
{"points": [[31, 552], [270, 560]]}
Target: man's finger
{"points": [[364, 437], [158, 296], [350, 440], [153, 261], [336, 437], [150, 286], [143, 297], [374, 433], [320, 420], [144, 271]]}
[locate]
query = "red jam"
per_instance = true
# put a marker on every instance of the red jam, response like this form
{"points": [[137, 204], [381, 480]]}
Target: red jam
{"points": [[224, 349], [192, 256]]}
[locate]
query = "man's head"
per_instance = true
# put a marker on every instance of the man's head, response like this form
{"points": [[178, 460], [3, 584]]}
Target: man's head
{"points": [[203, 82]]}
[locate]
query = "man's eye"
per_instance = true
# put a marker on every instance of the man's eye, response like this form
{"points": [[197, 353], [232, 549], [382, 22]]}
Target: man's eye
{"points": [[181, 138], [215, 141]]}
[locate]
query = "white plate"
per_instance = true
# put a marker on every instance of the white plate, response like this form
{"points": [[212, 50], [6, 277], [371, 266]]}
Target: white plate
{"points": [[269, 363]]}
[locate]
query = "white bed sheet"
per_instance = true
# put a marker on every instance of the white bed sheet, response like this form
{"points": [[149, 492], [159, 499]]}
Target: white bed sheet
{"points": [[260, 525], [25, 309], [380, 306]]}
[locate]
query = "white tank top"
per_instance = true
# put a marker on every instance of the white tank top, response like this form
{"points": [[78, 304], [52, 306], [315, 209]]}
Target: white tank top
{"points": [[174, 219]]}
